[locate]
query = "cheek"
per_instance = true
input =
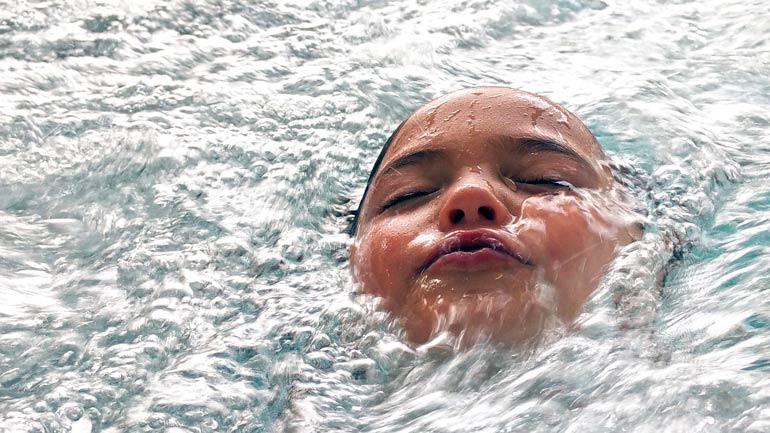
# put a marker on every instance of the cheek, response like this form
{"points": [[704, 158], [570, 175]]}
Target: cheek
{"points": [[567, 222], [381, 261], [573, 239]]}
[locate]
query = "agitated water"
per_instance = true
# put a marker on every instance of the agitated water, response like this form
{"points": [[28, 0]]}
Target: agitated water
{"points": [[174, 180]]}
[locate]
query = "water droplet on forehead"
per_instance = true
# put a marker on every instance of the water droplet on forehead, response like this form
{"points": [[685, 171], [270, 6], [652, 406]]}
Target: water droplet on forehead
{"points": [[535, 115], [451, 115]]}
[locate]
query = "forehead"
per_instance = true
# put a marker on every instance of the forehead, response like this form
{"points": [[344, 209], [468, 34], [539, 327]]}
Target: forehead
{"points": [[477, 117]]}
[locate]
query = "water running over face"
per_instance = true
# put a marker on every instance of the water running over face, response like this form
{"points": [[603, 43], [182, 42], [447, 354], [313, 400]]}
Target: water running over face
{"points": [[489, 231]]}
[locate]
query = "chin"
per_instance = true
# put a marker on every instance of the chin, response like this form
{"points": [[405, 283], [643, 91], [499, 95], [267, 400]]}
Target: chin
{"points": [[464, 318], [489, 281]]}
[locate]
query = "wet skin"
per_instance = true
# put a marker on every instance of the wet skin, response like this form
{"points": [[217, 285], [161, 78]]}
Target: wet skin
{"points": [[493, 212]]}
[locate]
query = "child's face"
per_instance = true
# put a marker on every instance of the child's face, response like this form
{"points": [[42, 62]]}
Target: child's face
{"points": [[491, 212]]}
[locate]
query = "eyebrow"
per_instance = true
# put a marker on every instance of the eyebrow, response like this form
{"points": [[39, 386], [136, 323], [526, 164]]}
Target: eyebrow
{"points": [[412, 159], [532, 144]]}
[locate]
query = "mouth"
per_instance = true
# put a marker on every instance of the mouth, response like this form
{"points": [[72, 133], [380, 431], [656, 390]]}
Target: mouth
{"points": [[475, 250]]}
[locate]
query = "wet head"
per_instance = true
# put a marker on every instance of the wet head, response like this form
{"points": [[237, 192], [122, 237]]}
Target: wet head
{"points": [[491, 214]]}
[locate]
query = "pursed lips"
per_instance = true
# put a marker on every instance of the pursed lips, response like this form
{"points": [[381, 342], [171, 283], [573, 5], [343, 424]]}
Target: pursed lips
{"points": [[469, 241]]}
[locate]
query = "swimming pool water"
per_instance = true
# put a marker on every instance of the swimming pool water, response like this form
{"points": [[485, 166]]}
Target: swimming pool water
{"points": [[174, 180]]}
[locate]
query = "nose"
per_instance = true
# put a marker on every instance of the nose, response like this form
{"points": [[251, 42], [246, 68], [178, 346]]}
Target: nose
{"points": [[472, 204]]}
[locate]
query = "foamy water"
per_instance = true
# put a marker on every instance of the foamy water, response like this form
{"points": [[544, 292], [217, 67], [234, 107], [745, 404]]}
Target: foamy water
{"points": [[174, 179]]}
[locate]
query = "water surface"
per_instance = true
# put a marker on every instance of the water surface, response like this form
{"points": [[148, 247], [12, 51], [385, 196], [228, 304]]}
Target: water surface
{"points": [[174, 178]]}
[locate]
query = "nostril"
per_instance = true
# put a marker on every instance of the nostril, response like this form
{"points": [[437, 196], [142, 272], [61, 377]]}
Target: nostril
{"points": [[487, 212], [456, 216]]}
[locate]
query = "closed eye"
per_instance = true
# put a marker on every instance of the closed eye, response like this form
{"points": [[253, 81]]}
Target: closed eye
{"points": [[546, 182], [405, 197]]}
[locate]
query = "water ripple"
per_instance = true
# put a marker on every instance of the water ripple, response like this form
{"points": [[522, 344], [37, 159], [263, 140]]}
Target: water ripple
{"points": [[174, 179]]}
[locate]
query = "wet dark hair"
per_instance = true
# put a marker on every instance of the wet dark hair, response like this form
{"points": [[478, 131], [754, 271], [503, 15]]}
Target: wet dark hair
{"points": [[354, 222]]}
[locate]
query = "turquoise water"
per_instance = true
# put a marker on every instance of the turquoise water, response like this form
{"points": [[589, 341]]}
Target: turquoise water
{"points": [[174, 178]]}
